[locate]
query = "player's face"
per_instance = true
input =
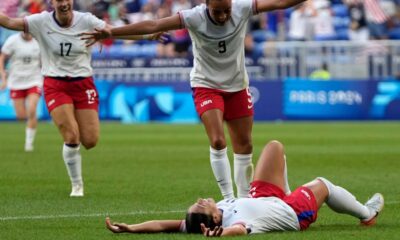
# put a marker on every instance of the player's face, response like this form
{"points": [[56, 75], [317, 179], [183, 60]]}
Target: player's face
{"points": [[220, 10], [206, 206], [63, 7]]}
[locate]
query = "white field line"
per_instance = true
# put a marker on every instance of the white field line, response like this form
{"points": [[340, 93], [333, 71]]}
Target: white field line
{"points": [[45, 217]]}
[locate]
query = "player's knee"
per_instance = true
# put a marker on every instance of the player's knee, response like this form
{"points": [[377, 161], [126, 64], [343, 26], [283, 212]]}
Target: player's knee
{"points": [[89, 143], [274, 145], [218, 143], [31, 114], [21, 115], [329, 186], [70, 134]]}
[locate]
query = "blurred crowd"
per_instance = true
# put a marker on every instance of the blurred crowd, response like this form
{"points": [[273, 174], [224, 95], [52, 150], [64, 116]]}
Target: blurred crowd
{"points": [[318, 20]]}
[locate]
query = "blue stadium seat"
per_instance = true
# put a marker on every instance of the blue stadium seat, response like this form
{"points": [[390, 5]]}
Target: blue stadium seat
{"points": [[262, 35], [258, 50], [342, 34], [395, 33], [340, 10], [341, 23]]}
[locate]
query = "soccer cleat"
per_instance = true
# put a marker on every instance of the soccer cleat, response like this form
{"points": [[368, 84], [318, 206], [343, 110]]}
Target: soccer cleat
{"points": [[375, 206], [28, 147], [77, 190]]}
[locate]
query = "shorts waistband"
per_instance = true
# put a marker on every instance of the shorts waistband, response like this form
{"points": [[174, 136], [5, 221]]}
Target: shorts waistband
{"points": [[67, 79]]}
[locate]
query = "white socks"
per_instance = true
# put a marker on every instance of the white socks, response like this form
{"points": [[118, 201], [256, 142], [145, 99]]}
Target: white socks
{"points": [[222, 171], [342, 201], [73, 162], [243, 173], [30, 136], [287, 188]]}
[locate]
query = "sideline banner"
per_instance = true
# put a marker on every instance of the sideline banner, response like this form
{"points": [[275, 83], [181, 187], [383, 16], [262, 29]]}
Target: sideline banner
{"points": [[292, 99]]}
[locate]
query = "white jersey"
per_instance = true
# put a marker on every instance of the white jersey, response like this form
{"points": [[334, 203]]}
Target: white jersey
{"points": [[259, 215], [24, 59], [63, 53], [218, 51]]}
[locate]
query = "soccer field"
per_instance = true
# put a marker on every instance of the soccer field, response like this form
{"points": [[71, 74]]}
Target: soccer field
{"points": [[155, 171]]}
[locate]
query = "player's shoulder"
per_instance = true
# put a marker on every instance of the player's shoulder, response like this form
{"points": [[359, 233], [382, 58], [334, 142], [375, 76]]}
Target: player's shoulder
{"points": [[14, 37], [83, 15], [195, 16], [242, 5]]}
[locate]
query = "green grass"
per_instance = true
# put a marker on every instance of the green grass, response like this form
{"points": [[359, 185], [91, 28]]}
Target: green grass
{"points": [[142, 172]]}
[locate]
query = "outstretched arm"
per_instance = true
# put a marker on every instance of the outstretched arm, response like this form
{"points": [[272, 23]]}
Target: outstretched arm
{"points": [[16, 24], [270, 5], [152, 30], [154, 226], [3, 75], [148, 27]]}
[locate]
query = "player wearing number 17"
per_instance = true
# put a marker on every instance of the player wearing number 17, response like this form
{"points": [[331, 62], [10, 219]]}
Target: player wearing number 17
{"points": [[69, 91], [219, 79]]}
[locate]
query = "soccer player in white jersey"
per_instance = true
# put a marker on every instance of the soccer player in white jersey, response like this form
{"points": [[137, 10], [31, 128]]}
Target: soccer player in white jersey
{"points": [[219, 79], [24, 80], [268, 208], [70, 94]]}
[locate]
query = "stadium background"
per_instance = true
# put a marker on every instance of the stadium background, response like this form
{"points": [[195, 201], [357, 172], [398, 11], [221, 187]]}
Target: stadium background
{"points": [[146, 81]]}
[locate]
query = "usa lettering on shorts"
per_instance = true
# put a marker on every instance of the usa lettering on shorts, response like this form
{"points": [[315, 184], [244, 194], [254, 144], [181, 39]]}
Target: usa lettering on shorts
{"points": [[206, 102], [51, 102]]}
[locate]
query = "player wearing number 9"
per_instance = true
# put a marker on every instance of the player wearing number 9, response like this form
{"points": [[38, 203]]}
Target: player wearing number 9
{"points": [[70, 94], [219, 79]]}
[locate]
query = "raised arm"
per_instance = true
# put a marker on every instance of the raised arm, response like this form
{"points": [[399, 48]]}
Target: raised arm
{"points": [[154, 226], [16, 24], [270, 5], [148, 27]]}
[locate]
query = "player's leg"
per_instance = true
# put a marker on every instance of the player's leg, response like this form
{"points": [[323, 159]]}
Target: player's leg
{"points": [[20, 108], [89, 127], [240, 133], [210, 107], [64, 118], [213, 124], [18, 97], [271, 166], [239, 116], [31, 125], [342, 201]]}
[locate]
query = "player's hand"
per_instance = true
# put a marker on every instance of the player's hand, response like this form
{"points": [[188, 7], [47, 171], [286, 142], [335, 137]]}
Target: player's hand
{"points": [[161, 36], [116, 227], [93, 37], [216, 232]]}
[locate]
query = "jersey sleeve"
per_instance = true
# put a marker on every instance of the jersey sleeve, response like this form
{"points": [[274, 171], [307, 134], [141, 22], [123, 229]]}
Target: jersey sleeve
{"points": [[247, 8], [94, 22], [33, 23], [7, 47], [191, 18]]}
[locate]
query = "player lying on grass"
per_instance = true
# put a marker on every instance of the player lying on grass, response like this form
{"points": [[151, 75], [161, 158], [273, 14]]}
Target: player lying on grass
{"points": [[267, 209]]}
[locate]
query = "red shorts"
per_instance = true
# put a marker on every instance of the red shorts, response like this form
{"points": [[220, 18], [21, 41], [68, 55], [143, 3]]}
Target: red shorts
{"points": [[302, 200], [81, 92], [23, 93], [234, 105]]}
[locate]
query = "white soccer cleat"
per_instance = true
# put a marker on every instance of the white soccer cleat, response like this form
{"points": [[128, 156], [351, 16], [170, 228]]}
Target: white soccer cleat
{"points": [[28, 147], [77, 190], [375, 206]]}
